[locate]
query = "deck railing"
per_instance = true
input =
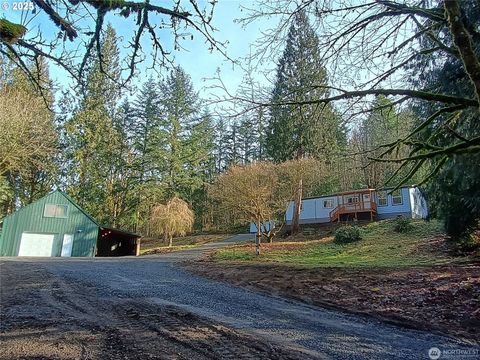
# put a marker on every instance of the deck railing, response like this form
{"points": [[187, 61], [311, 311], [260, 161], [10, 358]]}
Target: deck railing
{"points": [[353, 208]]}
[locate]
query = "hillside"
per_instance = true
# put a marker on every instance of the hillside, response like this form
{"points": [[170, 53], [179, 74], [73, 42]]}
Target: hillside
{"points": [[380, 246], [409, 279]]}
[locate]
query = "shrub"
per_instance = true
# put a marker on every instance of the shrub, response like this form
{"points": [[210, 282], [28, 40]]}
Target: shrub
{"points": [[402, 224], [347, 234], [468, 243]]}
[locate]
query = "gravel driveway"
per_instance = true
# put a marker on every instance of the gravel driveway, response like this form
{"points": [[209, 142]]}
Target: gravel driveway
{"points": [[159, 280]]}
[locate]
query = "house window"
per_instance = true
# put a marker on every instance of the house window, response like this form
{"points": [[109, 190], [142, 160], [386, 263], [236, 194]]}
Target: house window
{"points": [[352, 200], [55, 211], [382, 198], [328, 203], [397, 198]]}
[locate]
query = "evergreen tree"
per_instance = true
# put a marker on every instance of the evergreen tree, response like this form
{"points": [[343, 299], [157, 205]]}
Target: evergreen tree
{"points": [[96, 145], [201, 146], [149, 134], [180, 107], [295, 130], [147, 138], [454, 191], [231, 140], [220, 145]]}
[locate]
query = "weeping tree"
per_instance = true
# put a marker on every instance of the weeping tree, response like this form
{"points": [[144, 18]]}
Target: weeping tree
{"points": [[175, 218]]}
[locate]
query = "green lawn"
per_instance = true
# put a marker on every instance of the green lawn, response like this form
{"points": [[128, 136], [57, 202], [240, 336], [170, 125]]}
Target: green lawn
{"points": [[153, 245], [380, 246]]}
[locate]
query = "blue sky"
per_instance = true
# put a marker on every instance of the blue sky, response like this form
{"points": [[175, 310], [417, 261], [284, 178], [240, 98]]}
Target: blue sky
{"points": [[197, 60], [348, 72]]}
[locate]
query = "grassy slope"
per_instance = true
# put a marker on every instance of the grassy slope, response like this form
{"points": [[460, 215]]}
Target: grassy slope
{"points": [[152, 245], [380, 246]]}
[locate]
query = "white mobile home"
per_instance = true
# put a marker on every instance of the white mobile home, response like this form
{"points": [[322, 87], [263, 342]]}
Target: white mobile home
{"points": [[365, 204]]}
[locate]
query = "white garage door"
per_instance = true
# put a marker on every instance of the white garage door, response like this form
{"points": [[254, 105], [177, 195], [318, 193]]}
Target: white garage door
{"points": [[36, 244]]}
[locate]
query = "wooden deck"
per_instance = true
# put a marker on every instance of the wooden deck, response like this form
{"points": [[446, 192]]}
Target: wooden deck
{"points": [[352, 204]]}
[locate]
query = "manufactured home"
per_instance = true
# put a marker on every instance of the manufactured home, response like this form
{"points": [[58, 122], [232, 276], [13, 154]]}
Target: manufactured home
{"points": [[56, 225], [365, 204]]}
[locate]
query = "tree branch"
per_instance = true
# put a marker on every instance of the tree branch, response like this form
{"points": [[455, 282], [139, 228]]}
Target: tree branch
{"points": [[57, 19]]}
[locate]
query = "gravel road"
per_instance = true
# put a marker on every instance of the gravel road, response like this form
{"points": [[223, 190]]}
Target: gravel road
{"points": [[159, 280]]}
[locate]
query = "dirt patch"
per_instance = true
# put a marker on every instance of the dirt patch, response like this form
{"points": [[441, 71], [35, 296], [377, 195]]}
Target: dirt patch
{"points": [[164, 250], [46, 317], [150, 246], [438, 245], [439, 298]]}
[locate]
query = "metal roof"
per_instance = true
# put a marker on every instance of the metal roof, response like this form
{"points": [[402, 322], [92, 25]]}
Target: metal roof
{"points": [[354, 191]]}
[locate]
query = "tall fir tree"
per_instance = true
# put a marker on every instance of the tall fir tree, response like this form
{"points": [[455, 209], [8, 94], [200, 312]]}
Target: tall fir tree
{"points": [[296, 130], [231, 139], [148, 137], [221, 128], [96, 145], [201, 145], [179, 104]]}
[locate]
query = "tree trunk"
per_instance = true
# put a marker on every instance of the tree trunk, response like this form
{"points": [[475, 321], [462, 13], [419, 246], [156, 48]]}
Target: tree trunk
{"points": [[463, 41], [297, 208], [170, 241], [258, 238]]}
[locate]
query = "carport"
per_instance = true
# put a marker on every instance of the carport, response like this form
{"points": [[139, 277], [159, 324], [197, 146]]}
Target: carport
{"points": [[114, 242]]}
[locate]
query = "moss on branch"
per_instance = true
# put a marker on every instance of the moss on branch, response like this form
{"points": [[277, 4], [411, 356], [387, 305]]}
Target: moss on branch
{"points": [[10, 32]]}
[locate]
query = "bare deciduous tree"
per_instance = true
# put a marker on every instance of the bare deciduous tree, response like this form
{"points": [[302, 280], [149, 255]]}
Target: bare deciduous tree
{"points": [[27, 136], [250, 192], [79, 26], [260, 192]]}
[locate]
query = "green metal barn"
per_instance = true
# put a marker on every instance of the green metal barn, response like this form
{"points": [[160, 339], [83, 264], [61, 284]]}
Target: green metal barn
{"points": [[57, 226]]}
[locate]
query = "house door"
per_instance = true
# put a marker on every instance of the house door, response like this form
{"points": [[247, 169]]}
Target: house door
{"points": [[36, 244], [366, 201], [67, 245], [351, 202]]}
